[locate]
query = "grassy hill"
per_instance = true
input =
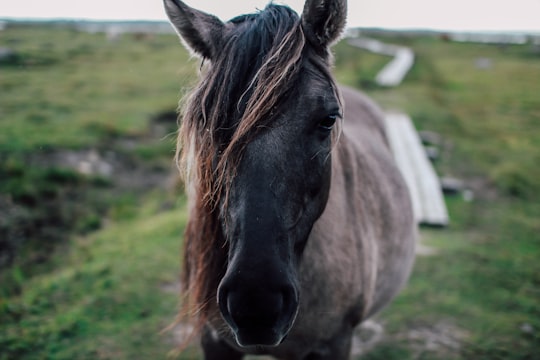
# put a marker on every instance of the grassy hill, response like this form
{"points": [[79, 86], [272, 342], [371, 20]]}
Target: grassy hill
{"points": [[92, 262]]}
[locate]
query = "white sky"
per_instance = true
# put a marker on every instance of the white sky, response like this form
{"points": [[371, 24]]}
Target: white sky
{"points": [[515, 15]]}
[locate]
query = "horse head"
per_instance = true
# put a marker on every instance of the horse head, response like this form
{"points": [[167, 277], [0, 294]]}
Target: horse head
{"points": [[263, 123]]}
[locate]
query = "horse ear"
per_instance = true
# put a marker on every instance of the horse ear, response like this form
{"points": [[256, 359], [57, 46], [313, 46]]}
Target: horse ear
{"points": [[323, 21], [200, 32]]}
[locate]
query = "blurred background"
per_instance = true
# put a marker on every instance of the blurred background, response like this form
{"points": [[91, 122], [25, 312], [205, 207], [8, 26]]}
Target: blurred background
{"points": [[92, 211]]}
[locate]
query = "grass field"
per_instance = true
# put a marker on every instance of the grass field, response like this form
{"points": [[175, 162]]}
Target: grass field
{"points": [[94, 263]]}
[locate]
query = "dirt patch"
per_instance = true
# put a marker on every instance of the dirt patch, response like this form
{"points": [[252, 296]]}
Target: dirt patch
{"points": [[439, 337], [124, 171], [52, 193], [115, 159], [440, 340]]}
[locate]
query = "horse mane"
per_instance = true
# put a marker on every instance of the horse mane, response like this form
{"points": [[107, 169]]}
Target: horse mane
{"points": [[237, 97]]}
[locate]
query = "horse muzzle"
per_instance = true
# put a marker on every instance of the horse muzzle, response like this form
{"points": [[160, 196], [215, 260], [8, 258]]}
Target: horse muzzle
{"points": [[259, 313]]}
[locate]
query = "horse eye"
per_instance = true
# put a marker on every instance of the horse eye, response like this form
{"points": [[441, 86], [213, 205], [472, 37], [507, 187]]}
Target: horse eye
{"points": [[328, 122]]}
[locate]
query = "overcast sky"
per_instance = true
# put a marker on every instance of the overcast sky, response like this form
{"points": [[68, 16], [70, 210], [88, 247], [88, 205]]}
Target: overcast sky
{"points": [[514, 15]]}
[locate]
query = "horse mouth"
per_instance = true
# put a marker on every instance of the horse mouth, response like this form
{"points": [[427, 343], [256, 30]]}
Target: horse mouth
{"points": [[255, 334], [258, 337]]}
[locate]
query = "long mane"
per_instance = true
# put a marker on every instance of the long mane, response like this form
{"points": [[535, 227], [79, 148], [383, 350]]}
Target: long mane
{"points": [[236, 98]]}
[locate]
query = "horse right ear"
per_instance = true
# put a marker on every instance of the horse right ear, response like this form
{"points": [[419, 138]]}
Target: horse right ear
{"points": [[200, 32], [323, 21]]}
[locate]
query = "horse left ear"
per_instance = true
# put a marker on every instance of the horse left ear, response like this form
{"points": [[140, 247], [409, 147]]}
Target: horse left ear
{"points": [[201, 32], [323, 21]]}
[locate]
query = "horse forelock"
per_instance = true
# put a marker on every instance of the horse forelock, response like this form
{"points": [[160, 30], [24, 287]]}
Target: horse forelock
{"points": [[234, 100], [242, 87]]}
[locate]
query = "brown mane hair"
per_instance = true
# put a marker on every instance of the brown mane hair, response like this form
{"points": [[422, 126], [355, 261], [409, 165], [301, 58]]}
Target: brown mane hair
{"points": [[234, 100]]}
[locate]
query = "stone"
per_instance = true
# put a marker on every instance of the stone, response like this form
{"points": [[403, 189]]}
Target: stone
{"points": [[430, 137], [432, 152], [451, 185]]}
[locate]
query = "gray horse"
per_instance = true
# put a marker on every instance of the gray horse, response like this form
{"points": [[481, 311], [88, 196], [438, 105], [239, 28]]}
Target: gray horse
{"points": [[300, 224]]}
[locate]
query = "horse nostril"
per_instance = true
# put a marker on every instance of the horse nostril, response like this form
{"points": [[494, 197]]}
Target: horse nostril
{"points": [[258, 307], [225, 307], [253, 310], [290, 301]]}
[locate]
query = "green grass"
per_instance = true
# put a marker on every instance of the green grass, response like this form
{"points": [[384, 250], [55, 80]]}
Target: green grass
{"points": [[491, 115], [105, 299], [103, 292], [93, 263], [88, 90], [361, 72], [485, 278], [68, 90]]}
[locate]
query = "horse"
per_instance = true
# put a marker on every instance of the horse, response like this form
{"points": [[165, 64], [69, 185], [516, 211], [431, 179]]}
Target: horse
{"points": [[300, 224]]}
